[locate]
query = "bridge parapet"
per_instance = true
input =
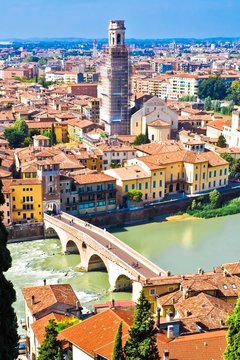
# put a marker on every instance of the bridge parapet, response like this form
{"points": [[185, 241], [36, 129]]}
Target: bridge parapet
{"points": [[114, 240]]}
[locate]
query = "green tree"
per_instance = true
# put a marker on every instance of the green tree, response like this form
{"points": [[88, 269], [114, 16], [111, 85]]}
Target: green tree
{"points": [[216, 106], [215, 199], [147, 141], [236, 169], [214, 87], [8, 320], [50, 348], [221, 141], [53, 138], [141, 139], [17, 135], [208, 103], [232, 351], [118, 349], [141, 343], [135, 195], [187, 98], [229, 159], [234, 92]]}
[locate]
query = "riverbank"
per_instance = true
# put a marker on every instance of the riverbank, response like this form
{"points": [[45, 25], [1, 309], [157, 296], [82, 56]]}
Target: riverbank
{"points": [[230, 208]]}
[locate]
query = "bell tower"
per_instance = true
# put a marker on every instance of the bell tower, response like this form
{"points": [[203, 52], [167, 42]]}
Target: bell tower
{"points": [[114, 110], [116, 33]]}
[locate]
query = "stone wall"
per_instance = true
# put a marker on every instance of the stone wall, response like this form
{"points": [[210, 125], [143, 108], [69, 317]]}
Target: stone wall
{"points": [[22, 232]]}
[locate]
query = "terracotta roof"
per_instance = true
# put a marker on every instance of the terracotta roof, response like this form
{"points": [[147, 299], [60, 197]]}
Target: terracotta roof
{"points": [[159, 123], [39, 325], [16, 182], [207, 346], [132, 172], [48, 295], [102, 328], [92, 178], [218, 124]]}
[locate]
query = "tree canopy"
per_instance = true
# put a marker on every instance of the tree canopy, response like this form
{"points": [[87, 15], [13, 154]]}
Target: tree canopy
{"points": [[234, 92], [215, 199], [50, 348], [141, 343], [213, 87], [8, 320], [17, 135], [135, 195], [232, 351], [221, 141], [118, 349]]}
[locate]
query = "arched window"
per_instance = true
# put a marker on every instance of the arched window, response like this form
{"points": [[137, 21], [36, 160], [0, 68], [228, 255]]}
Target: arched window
{"points": [[118, 39]]}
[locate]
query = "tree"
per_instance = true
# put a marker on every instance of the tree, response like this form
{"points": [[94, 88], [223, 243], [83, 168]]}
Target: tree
{"points": [[141, 139], [221, 141], [235, 170], [135, 195], [141, 343], [17, 135], [118, 349], [215, 199], [53, 138], [216, 106], [214, 87], [208, 103], [232, 351], [8, 320], [147, 141], [50, 348], [234, 92], [229, 159]]}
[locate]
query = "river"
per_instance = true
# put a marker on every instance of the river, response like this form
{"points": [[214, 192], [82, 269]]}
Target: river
{"points": [[179, 244]]}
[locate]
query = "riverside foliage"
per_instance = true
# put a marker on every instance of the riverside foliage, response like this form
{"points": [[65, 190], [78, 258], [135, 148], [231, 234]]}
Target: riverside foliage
{"points": [[207, 210]]}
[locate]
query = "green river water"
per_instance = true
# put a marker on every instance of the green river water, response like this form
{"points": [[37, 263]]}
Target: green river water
{"points": [[180, 244]]}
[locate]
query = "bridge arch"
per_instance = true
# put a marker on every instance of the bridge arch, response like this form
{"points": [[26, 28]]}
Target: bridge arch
{"points": [[72, 248], [96, 263], [123, 283]]}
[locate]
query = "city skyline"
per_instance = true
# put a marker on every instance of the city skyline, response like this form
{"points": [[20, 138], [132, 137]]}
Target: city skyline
{"points": [[86, 19]]}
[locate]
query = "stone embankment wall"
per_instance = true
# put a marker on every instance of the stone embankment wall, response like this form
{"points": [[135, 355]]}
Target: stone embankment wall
{"points": [[150, 212], [36, 231]]}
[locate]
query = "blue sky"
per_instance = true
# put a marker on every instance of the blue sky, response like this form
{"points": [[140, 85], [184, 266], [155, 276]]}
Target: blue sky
{"points": [[144, 19]]}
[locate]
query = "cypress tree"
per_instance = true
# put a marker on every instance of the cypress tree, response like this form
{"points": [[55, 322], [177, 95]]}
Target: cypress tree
{"points": [[8, 320], [232, 351], [142, 342], [118, 349], [50, 348], [53, 138]]}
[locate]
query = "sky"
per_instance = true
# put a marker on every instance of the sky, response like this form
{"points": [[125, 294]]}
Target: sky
{"points": [[144, 19]]}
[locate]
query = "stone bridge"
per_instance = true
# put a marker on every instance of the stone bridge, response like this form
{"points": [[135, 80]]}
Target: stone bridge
{"points": [[100, 250]]}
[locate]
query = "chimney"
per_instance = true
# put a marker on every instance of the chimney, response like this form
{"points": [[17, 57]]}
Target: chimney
{"points": [[158, 316], [166, 355], [44, 282], [113, 304], [170, 332], [33, 299], [77, 305], [168, 273], [169, 316]]}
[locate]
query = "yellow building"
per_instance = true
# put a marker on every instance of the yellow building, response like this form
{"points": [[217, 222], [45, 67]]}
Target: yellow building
{"points": [[188, 171], [149, 181], [26, 200]]}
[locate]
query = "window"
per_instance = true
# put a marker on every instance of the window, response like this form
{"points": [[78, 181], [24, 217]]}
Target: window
{"points": [[220, 182], [196, 177], [195, 187], [220, 172], [133, 186], [152, 292], [214, 184], [171, 177], [126, 188], [154, 184], [225, 171], [210, 174], [154, 195], [215, 173], [209, 184], [224, 181], [140, 186], [160, 183], [203, 175], [50, 178], [203, 186], [146, 185], [160, 173], [146, 196]]}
